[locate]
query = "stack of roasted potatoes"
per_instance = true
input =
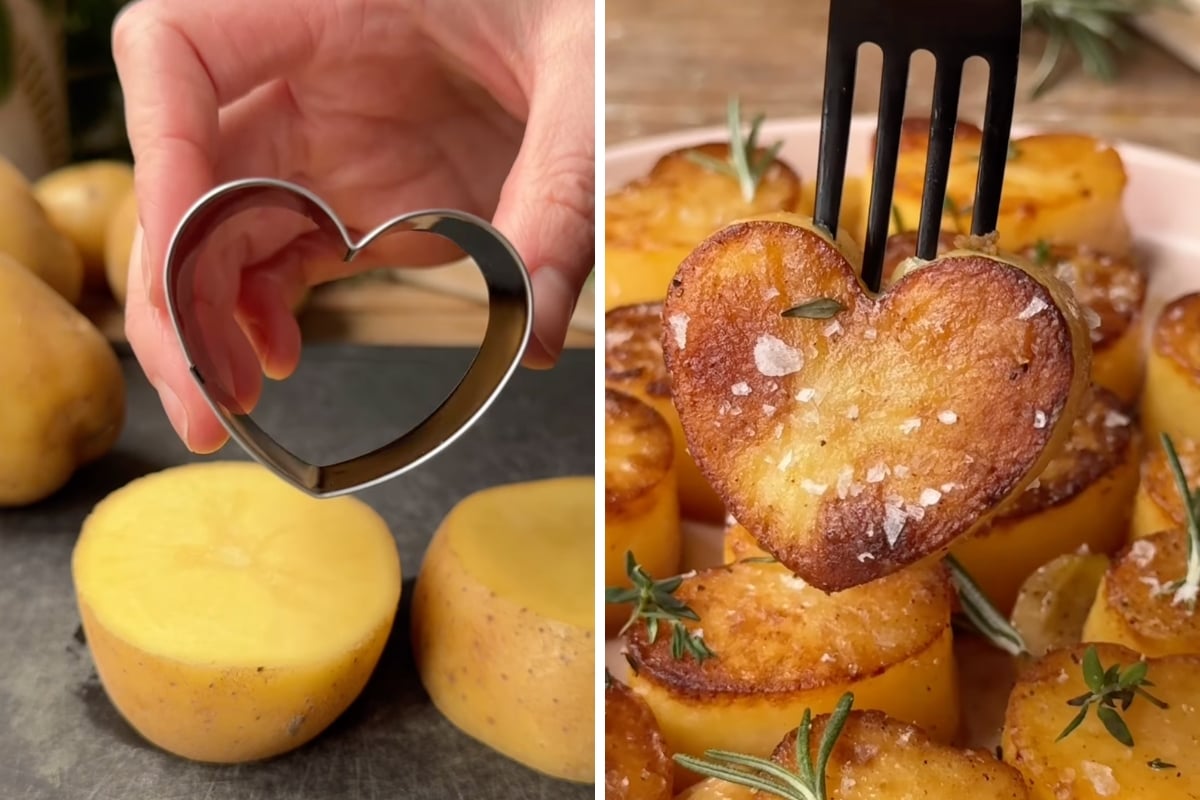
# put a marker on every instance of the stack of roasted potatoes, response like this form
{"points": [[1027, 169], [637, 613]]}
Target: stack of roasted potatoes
{"points": [[980, 481]]}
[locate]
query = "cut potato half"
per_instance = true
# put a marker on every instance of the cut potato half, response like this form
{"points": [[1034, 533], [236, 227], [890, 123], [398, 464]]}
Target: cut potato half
{"points": [[1054, 601], [636, 763], [782, 646], [1159, 505], [232, 617], [840, 442], [503, 626]]}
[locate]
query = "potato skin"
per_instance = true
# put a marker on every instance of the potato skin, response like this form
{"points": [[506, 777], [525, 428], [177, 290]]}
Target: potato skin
{"points": [[80, 199], [1082, 499], [782, 646], [641, 510], [633, 363], [877, 756], [1172, 390], [1058, 187], [744, 380], [652, 223], [637, 765], [63, 400], [29, 238], [531, 694], [1090, 764], [1133, 609], [1159, 506]]}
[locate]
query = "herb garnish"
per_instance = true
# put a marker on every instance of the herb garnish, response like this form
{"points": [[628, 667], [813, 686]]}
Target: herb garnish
{"points": [[981, 614], [656, 603], [763, 774], [898, 220], [1187, 589], [1107, 688], [821, 308], [744, 164], [1158, 763], [1093, 28], [1041, 252]]}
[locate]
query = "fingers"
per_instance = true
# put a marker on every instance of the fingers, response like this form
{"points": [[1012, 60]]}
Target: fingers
{"points": [[547, 207]]}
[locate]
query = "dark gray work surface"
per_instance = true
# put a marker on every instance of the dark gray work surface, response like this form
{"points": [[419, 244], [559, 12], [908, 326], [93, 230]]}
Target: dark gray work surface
{"points": [[61, 739]]}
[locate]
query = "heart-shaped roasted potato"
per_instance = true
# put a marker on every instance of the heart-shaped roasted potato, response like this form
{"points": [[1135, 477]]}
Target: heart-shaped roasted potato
{"points": [[857, 436], [510, 314]]}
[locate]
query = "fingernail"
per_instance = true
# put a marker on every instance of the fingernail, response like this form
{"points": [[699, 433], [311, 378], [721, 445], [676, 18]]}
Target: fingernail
{"points": [[174, 408], [554, 303]]}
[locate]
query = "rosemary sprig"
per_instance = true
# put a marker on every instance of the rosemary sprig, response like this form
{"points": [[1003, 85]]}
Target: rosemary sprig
{"points": [[745, 164], [1187, 589], [763, 774], [820, 308], [656, 603], [1094, 29], [1107, 688], [981, 614]]}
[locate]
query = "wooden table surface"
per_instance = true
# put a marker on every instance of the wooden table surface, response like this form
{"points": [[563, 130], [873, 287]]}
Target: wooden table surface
{"points": [[673, 64]]}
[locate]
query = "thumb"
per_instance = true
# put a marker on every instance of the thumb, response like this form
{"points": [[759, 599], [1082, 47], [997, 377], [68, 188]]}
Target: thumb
{"points": [[547, 204]]}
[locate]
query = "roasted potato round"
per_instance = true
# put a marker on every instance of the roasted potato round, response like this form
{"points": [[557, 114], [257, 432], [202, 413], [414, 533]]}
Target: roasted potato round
{"points": [[1172, 391], [1054, 601], [1158, 505], [636, 763]]}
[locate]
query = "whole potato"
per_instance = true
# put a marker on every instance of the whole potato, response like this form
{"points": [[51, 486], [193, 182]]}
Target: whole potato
{"points": [[28, 236], [62, 396], [79, 200], [118, 244]]}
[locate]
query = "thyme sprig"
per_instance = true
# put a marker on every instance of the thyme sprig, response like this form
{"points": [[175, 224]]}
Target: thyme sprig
{"points": [[763, 774], [656, 604], [1106, 689], [981, 614], [1186, 590], [1094, 29], [820, 308], [745, 164]]}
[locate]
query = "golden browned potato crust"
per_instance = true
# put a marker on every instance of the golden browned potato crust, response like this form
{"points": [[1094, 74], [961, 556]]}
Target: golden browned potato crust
{"points": [[681, 202], [1098, 443], [854, 446], [1136, 591], [1158, 481], [638, 451], [1111, 286], [633, 348], [636, 763], [749, 613], [1177, 334]]}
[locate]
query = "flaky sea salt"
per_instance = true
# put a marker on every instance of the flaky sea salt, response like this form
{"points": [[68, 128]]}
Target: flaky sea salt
{"points": [[947, 417], [869, 334], [806, 394], [832, 329], [1039, 419], [774, 357], [929, 497], [740, 389], [1115, 419], [1142, 552], [1036, 306], [910, 425], [679, 325], [786, 461], [865, 557], [617, 338], [893, 522], [768, 409], [812, 487], [900, 471], [852, 412], [877, 473], [845, 478], [1101, 778]]}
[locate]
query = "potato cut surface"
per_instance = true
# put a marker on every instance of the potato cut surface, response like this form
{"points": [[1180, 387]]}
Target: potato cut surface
{"points": [[636, 763], [1054, 601], [855, 445], [880, 758], [503, 626], [633, 364], [1134, 604], [1089, 763], [1159, 506], [232, 617]]}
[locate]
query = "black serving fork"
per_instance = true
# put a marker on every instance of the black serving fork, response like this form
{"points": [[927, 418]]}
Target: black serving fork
{"points": [[953, 31]]}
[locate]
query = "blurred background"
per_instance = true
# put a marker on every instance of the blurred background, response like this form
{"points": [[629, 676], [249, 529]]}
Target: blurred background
{"points": [[60, 106]]}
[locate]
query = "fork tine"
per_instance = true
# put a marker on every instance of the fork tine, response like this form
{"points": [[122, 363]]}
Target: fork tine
{"points": [[993, 156], [887, 147], [946, 84], [841, 64]]}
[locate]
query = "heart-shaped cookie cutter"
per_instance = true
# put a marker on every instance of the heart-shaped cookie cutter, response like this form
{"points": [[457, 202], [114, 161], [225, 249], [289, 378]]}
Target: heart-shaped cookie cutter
{"points": [[510, 318]]}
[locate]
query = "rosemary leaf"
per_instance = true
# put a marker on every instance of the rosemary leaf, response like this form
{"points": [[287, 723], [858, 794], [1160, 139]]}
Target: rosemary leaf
{"points": [[745, 164], [1188, 590], [982, 615], [820, 308]]}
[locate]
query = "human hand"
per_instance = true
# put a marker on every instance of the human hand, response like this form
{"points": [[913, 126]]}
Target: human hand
{"points": [[378, 106]]}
